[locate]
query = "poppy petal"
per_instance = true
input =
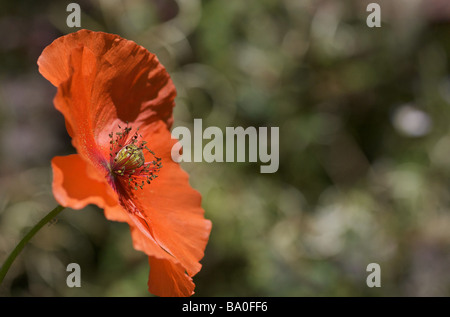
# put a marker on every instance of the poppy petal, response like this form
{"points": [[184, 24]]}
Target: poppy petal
{"points": [[168, 279], [128, 78], [74, 185], [172, 207], [73, 100]]}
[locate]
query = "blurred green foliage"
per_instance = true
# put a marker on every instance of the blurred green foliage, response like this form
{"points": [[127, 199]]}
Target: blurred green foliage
{"points": [[364, 146]]}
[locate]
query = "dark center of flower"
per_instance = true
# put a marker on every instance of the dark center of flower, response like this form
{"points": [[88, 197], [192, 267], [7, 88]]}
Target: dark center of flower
{"points": [[129, 158], [128, 165]]}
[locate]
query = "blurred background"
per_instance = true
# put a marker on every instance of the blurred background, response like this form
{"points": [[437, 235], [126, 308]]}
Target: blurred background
{"points": [[364, 171]]}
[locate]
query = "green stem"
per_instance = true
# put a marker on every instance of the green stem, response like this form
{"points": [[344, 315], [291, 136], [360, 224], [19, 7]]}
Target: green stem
{"points": [[52, 214]]}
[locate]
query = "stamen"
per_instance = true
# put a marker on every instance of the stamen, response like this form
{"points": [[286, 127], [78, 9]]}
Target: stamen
{"points": [[127, 160]]}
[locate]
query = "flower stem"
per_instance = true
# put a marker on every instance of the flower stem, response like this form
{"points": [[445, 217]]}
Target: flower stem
{"points": [[52, 214]]}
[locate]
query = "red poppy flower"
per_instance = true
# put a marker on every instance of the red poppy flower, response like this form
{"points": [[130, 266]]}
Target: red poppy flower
{"points": [[117, 101]]}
